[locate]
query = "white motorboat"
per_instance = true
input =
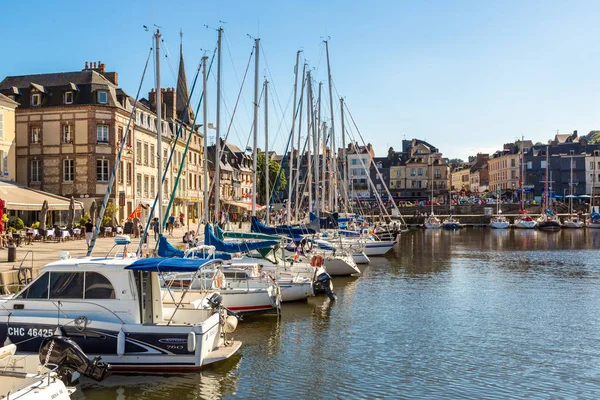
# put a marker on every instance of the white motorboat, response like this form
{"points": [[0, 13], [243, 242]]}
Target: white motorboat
{"points": [[49, 374], [499, 222], [524, 221], [572, 222], [339, 265], [112, 308], [21, 378], [432, 222], [451, 223]]}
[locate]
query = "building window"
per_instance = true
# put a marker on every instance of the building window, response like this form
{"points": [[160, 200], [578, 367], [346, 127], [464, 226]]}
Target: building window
{"points": [[152, 156], [68, 170], [529, 165], [129, 173], [145, 153], [354, 161], [413, 172], [543, 164], [102, 170], [67, 134], [1, 126], [35, 171], [152, 187], [36, 135], [102, 134], [121, 173], [103, 97], [138, 152], [120, 135], [36, 99], [146, 185], [138, 184], [68, 99]]}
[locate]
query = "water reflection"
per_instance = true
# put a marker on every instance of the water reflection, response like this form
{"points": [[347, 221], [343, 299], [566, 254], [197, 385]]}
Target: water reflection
{"points": [[475, 313], [214, 382]]}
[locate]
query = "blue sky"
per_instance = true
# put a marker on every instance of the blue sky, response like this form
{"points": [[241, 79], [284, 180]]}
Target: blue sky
{"points": [[467, 76]]}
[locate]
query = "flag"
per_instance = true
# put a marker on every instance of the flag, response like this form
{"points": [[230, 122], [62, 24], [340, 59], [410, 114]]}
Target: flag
{"points": [[137, 213]]}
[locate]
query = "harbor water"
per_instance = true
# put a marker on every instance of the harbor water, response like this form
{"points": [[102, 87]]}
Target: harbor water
{"points": [[475, 313]]}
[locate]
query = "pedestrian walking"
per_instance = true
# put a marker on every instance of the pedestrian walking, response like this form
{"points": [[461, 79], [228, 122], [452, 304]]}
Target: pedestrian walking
{"points": [[89, 232]]}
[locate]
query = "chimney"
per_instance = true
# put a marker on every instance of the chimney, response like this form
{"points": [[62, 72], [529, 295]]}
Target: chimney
{"points": [[169, 103], [152, 98], [111, 76]]}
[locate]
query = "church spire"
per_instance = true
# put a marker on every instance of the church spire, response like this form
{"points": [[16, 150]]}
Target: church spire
{"points": [[182, 88]]}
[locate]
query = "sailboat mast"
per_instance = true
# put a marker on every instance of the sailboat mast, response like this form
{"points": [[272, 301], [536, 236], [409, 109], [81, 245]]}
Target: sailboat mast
{"points": [[159, 172], [309, 125], [218, 132], [205, 132], [267, 175], [318, 182], [546, 185], [522, 171], [344, 158], [571, 188], [291, 158], [334, 178], [255, 140], [300, 155], [325, 182]]}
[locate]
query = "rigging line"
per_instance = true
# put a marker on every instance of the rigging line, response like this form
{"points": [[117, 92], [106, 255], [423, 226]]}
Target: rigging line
{"points": [[117, 161], [220, 155], [378, 174], [272, 81], [145, 233], [233, 123], [278, 134], [168, 57], [236, 74]]}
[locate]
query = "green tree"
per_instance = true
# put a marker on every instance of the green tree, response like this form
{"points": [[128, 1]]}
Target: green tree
{"points": [[109, 213], [274, 168], [593, 137]]}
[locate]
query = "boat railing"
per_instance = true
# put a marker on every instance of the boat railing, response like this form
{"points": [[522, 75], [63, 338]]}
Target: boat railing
{"points": [[36, 378], [61, 303]]}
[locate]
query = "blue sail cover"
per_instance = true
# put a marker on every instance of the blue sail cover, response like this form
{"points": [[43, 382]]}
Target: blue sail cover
{"points": [[595, 217], [167, 250], [211, 240], [257, 226], [170, 264]]}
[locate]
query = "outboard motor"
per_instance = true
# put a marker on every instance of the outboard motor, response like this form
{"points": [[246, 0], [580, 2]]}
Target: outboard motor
{"points": [[323, 284], [68, 357], [215, 301]]}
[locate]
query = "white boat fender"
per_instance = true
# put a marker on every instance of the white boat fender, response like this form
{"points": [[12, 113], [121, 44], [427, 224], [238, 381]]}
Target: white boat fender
{"points": [[230, 324], [58, 331], [7, 351], [191, 342], [121, 343]]}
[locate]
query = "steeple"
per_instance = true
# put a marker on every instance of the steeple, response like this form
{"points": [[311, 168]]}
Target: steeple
{"points": [[182, 88]]}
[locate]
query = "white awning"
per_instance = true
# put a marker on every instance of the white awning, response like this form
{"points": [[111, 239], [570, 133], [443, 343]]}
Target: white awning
{"points": [[22, 198]]}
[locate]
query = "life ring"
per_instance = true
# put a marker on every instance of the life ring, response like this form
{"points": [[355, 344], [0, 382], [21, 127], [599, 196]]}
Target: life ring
{"points": [[317, 261]]}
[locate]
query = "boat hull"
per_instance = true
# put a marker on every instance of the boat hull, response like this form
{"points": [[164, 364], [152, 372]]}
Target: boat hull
{"points": [[378, 247], [360, 258], [572, 224], [452, 226], [146, 347], [499, 225], [552, 226], [340, 266], [432, 225], [520, 224]]}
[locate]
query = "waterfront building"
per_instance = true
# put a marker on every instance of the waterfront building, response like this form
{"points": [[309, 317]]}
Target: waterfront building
{"points": [[479, 174], [7, 138], [461, 178], [69, 128], [505, 167], [568, 155], [359, 165]]}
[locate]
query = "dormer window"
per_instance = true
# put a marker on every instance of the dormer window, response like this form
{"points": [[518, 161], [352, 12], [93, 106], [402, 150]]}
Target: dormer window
{"points": [[68, 97], [102, 97], [36, 99]]}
